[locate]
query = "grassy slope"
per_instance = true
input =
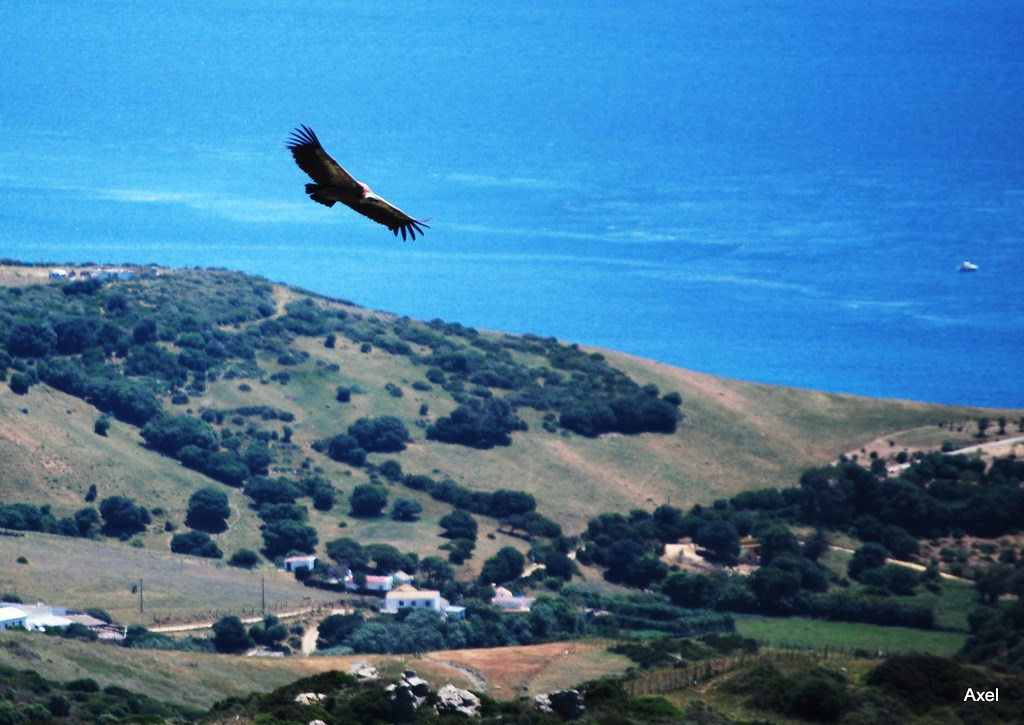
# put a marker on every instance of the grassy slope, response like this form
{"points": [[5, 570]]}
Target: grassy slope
{"points": [[79, 573], [199, 680], [735, 436]]}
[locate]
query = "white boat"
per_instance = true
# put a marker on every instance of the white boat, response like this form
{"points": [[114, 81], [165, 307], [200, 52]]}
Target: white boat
{"points": [[966, 266]]}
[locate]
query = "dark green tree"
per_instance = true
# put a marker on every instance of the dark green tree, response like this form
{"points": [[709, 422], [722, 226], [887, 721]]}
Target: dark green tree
{"points": [[458, 524], [720, 538], [244, 559], [335, 629], [122, 517], [285, 536], [386, 434], [368, 500], [229, 636], [101, 426], [505, 566], [867, 556], [196, 543], [348, 552], [406, 510], [208, 510]]}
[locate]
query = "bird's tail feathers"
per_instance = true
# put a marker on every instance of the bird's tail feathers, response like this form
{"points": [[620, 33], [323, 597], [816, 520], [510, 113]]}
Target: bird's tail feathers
{"points": [[313, 191]]}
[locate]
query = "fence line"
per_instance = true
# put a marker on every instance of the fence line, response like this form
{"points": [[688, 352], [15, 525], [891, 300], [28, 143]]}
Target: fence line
{"points": [[684, 675], [244, 612]]}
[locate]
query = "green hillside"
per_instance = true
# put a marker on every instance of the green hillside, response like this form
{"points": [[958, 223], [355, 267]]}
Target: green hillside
{"points": [[258, 367]]}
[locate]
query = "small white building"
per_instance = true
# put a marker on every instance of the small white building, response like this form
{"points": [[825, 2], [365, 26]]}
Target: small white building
{"points": [[454, 612], [506, 601], [400, 577], [294, 563], [378, 583], [39, 621], [11, 617], [408, 597]]}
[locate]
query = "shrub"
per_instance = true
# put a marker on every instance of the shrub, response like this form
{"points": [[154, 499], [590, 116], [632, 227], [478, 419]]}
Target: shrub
{"points": [[244, 559], [459, 525], [196, 543], [480, 423], [368, 500], [868, 556], [921, 681], [505, 566], [271, 490], [208, 510], [170, 433], [348, 552], [101, 426], [122, 518], [387, 434], [31, 339], [229, 635], [344, 448], [406, 510], [19, 383], [284, 536]]}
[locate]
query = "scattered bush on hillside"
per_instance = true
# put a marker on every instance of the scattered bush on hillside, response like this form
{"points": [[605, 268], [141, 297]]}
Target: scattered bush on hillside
{"points": [[283, 537], [196, 543], [406, 510], [208, 510], [386, 434], [348, 552], [478, 423], [229, 635], [101, 426], [170, 433], [368, 500], [344, 448], [505, 566], [458, 525], [264, 490], [122, 517], [20, 383], [224, 466], [31, 338], [244, 559]]}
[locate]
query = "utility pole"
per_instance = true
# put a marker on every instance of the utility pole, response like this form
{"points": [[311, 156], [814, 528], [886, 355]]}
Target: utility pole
{"points": [[263, 593], [142, 603]]}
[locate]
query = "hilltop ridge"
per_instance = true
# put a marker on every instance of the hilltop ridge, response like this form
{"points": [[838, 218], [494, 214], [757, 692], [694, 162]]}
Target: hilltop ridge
{"points": [[273, 373]]}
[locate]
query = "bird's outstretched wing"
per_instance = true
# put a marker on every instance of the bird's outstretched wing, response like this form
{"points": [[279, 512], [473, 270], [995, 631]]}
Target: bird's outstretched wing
{"points": [[386, 213], [311, 158]]}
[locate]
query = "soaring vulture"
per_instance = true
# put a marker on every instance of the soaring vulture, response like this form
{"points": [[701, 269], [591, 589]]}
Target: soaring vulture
{"points": [[334, 184]]}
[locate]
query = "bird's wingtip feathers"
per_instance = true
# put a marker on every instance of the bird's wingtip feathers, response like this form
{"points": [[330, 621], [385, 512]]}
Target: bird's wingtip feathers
{"points": [[302, 136]]}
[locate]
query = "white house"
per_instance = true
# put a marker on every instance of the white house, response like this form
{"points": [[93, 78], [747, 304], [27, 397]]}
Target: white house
{"points": [[294, 563], [40, 620], [372, 583], [506, 601], [407, 597], [378, 583], [11, 617]]}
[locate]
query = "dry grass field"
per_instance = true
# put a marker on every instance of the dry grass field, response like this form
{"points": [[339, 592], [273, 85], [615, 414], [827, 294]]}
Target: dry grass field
{"points": [[174, 588], [199, 679]]}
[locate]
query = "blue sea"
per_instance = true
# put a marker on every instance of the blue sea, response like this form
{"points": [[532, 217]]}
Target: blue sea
{"points": [[768, 190]]}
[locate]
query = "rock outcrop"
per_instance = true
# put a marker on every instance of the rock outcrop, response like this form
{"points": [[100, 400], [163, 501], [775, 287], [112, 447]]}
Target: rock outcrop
{"points": [[567, 704], [364, 671], [407, 695], [453, 701], [309, 698]]}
